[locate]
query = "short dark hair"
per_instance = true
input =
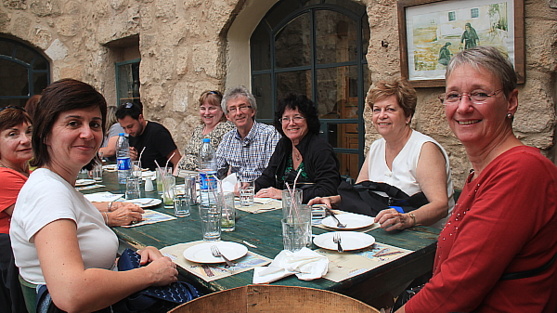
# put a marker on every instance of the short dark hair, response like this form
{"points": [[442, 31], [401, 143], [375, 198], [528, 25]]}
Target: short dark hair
{"points": [[304, 105], [61, 96], [132, 109]]}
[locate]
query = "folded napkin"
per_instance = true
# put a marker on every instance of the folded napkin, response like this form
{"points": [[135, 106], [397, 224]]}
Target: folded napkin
{"points": [[103, 196], [305, 263], [229, 182]]}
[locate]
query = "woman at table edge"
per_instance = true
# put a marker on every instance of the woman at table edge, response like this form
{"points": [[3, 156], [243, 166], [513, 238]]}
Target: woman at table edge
{"points": [[15, 153], [58, 237], [506, 215], [113, 130], [213, 125], [404, 158], [299, 150]]}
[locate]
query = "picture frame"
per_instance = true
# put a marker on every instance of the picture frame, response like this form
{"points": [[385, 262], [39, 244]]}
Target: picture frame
{"points": [[432, 31]]}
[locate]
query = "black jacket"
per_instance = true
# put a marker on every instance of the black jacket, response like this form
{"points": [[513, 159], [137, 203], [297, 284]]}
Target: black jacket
{"points": [[320, 163]]}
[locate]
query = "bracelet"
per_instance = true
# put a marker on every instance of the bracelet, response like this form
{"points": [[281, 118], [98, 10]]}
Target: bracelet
{"points": [[413, 218], [105, 218]]}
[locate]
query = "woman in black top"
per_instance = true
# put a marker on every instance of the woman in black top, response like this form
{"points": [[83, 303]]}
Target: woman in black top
{"points": [[300, 150]]}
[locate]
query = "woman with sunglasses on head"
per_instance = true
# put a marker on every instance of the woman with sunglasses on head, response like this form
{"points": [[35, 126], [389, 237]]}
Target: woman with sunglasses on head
{"points": [[213, 125], [15, 153], [497, 252], [300, 150], [58, 237]]}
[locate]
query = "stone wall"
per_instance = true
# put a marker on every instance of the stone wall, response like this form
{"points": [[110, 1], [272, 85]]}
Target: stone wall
{"points": [[184, 50]]}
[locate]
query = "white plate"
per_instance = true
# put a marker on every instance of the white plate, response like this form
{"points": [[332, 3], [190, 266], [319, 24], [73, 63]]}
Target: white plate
{"points": [[352, 221], [201, 253], [84, 182], [110, 167], [350, 240], [145, 202]]}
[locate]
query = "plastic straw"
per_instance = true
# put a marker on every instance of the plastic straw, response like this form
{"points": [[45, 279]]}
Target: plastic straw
{"points": [[140, 154]]}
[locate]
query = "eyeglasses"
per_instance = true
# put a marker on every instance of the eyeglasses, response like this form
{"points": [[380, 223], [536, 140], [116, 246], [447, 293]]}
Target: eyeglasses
{"points": [[12, 107], [128, 105], [476, 97], [242, 108], [295, 119]]}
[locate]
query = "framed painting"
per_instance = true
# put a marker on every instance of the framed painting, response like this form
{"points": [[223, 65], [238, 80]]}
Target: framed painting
{"points": [[432, 31]]}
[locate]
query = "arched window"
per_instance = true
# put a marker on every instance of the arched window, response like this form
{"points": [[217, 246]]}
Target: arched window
{"points": [[316, 48], [24, 72]]}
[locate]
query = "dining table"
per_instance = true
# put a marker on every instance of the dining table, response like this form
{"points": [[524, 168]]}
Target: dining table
{"points": [[262, 234]]}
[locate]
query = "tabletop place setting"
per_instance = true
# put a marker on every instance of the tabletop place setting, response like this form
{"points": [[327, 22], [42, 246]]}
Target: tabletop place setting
{"points": [[316, 242]]}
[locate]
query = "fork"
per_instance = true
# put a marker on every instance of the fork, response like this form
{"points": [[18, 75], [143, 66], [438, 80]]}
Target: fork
{"points": [[337, 239], [216, 253], [339, 224]]}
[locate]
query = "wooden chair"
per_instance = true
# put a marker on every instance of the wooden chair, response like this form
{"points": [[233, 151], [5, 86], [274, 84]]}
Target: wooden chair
{"points": [[273, 298]]}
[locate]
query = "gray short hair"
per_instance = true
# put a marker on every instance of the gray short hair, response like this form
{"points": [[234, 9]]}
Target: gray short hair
{"points": [[236, 92], [490, 59]]}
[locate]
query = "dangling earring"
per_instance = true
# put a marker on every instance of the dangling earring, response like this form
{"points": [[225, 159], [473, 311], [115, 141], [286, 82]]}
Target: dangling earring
{"points": [[509, 115]]}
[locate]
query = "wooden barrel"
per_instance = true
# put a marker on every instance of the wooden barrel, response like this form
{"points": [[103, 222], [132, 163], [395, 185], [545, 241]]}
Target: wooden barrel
{"points": [[273, 298]]}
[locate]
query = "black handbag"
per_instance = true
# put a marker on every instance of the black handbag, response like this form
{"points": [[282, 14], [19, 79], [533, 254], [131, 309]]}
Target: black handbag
{"points": [[362, 198]]}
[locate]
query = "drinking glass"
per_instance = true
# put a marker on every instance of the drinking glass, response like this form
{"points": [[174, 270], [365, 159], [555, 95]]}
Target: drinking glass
{"points": [[132, 188], [161, 173], [210, 217], [295, 235], [181, 202], [97, 172], [136, 169], [168, 184], [247, 191], [290, 201], [228, 222]]}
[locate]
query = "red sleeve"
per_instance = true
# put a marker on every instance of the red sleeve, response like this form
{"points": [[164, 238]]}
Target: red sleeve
{"points": [[507, 229], [11, 183]]}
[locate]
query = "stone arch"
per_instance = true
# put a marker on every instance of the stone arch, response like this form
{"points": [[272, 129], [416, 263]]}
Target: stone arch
{"points": [[238, 64]]}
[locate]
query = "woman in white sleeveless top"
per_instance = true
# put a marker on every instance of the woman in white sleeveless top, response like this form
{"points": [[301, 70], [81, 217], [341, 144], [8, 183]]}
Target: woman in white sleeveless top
{"points": [[404, 158]]}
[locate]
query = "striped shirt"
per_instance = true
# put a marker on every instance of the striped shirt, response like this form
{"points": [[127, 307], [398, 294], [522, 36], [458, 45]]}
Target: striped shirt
{"points": [[247, 156]]}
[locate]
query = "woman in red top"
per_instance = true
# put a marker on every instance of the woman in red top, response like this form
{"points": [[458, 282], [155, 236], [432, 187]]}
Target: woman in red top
{"points": [[15, 152], [495, 252]]}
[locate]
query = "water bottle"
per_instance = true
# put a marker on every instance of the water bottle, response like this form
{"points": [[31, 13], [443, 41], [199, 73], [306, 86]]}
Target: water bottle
{"points": [[123, 158], [207, 174]]}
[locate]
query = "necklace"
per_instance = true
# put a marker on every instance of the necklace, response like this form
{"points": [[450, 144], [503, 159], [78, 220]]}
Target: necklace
{"points": [[297, 155]]}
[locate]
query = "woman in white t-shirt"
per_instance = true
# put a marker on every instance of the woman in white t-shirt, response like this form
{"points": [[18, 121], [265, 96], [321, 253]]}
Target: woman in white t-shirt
{"points": [[404, 158], [58, 237]]}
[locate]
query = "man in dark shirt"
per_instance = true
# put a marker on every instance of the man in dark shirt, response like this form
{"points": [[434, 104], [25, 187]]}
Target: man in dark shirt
{"points": [[151, 136]]}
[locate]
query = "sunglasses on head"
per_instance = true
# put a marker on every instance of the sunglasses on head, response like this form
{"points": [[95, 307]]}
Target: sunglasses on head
{"points": [[214, 92], [127, 105], [12, 107]]}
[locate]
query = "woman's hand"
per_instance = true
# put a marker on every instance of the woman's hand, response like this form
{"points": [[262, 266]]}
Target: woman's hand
{"points": [[270, 192], [149, 254], [163, 270], [124, 213], [390, 219], [328, 201]]}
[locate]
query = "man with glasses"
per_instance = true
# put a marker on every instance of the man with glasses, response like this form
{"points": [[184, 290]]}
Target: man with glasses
{"points": [[151, 136], [247, 149]]}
